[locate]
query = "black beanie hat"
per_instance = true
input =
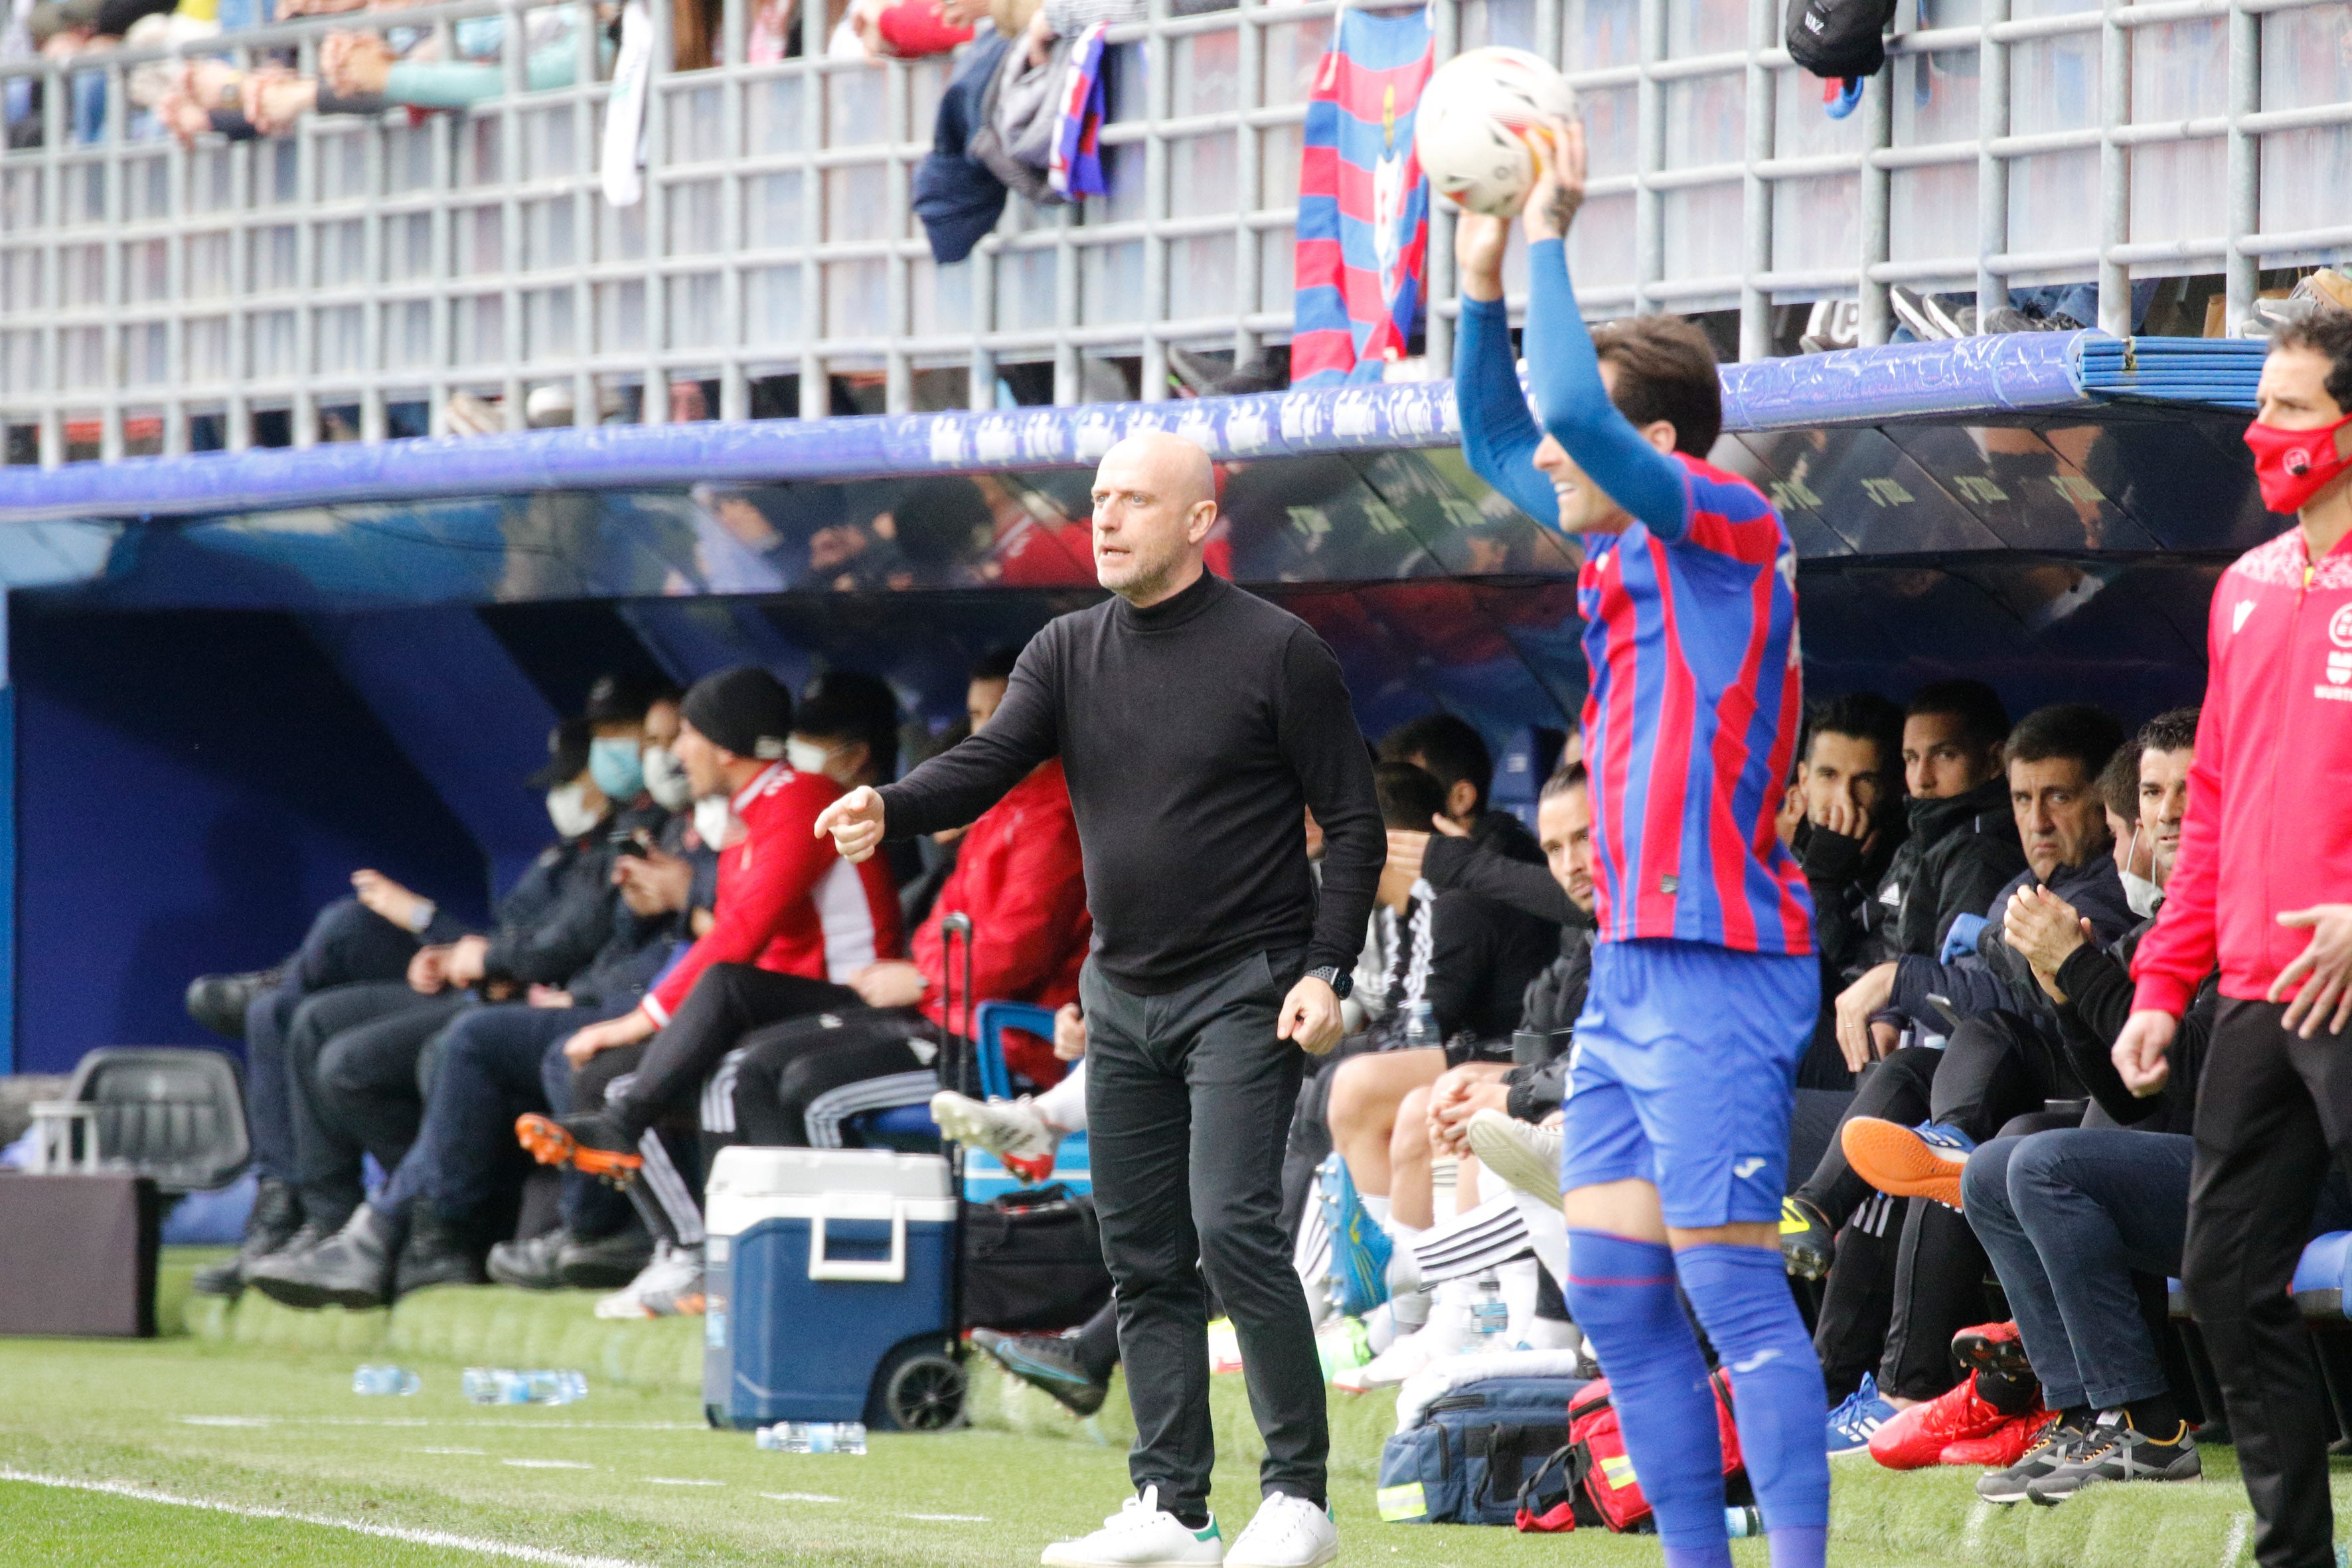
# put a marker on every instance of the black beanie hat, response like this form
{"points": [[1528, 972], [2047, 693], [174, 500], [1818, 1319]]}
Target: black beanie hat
{"points": [[745, 710]]}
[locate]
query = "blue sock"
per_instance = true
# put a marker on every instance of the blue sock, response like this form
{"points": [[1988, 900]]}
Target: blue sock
{"points": [[1622, 1294], [1741, 1295]]}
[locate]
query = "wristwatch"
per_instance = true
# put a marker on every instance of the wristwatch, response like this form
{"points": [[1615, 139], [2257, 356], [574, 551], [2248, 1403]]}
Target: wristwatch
{"points": [[1341, 982]]}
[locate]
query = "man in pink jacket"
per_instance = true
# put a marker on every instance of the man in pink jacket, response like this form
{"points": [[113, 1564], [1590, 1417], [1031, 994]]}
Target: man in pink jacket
{"points": [[2264, 889]]}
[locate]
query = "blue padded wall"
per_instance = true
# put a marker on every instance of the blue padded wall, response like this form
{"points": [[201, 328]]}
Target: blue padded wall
{"points": [[190, 788]]}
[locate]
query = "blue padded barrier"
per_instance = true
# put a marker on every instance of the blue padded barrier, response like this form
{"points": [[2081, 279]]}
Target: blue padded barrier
{"points": [[2319, 1277], [2018, 373], [2220, 372]]}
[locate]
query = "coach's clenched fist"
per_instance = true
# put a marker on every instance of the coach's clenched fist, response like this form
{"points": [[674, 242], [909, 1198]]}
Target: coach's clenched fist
{"points": [[855, 823]]}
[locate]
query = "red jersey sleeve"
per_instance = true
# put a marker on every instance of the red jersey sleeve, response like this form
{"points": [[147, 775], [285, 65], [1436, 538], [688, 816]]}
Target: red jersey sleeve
{"points": [[777, 863]]}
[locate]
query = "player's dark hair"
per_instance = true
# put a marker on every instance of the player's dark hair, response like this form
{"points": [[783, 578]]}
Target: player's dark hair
{"points": [[2119, 781], [1449, 748], [1984, 720], [2089, 735], [996, 664], [2174, 730], [1665, 370], [1566, 777], [1409, 796], [1861, 716], [2326, 331], [850, 705]]}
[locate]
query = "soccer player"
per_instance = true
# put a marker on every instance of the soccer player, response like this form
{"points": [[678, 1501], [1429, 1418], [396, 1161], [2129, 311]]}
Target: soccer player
{"points": [[1703, 985]]}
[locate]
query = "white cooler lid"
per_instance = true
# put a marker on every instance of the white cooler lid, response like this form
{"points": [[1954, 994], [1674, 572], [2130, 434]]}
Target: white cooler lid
{"points": [[742, 1173]]}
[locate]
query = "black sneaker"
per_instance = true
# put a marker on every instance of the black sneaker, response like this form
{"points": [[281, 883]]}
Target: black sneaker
{"points": [[219, 1001], [275, 1220], [605, 1263], [530, 1263], [2113, 1450], [437, 1252], [1049, 1362], [353, 1269], [1808, 1244], [2056, 1448]]}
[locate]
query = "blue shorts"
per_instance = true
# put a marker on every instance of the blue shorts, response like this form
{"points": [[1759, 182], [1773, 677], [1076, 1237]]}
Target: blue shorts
{"points": [[1686, 1068]]}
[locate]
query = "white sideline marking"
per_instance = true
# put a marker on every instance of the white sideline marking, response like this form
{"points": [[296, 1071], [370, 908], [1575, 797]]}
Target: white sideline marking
{"points": [[679, 1482], [225, 1420], [2237, 1539], [548, 1464], [477, 1453], [1972, 1533], [422, 1421], [799, 1496], [442, 1538], [948, 1518]]}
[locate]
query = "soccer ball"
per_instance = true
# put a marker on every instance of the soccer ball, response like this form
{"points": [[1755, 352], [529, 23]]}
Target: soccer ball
{"points": [[1470, 128]]}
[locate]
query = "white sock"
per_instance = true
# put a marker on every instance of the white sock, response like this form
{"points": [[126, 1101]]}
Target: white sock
{"points": [[1376, 1205], [1409, 1310]]}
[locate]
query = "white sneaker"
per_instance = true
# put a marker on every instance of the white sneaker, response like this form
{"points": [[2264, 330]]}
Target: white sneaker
{"points": [[1142, 1534], [1009, 1128], [1288, 1532], [1522, 1154], [674, 1271], [1393, 1365]]}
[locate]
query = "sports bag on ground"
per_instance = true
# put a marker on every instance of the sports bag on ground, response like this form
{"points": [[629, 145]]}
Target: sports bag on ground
{"points": [[1462, 1463], [1033, 1261], [1590, 1481], [1839, 38]]}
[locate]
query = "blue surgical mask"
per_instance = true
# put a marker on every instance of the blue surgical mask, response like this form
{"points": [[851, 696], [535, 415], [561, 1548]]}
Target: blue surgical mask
{"points": [[613, 763]]}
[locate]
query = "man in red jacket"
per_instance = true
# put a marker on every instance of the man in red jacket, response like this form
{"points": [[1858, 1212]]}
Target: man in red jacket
{"points": [[2266, 846]]}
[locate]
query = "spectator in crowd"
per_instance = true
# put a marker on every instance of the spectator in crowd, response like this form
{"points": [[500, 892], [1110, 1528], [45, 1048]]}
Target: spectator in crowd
{"points": [[1019, 881], [2266, 862], [2068, 1216], [792, 923]]}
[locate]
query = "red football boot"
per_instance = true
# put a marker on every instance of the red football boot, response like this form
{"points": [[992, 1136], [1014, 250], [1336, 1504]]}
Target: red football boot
{"points": [[1919, 1435], [1993, 1348], [2006, 1444]]}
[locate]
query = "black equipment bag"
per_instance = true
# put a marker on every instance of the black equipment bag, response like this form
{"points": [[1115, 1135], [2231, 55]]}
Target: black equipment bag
{"points": [[1033, 1261], [1839, 38]]}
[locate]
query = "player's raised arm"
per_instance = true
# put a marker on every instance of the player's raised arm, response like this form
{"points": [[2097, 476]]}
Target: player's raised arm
{"points": [[1630, 465], [1499, 436]]}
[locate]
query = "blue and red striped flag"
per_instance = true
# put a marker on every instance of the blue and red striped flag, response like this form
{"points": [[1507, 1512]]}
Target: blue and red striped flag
{"points": [[1362, 263]]}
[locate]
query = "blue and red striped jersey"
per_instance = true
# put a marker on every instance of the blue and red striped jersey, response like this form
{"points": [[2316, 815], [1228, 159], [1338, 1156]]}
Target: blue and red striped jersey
{"points": [[1691, 723]]}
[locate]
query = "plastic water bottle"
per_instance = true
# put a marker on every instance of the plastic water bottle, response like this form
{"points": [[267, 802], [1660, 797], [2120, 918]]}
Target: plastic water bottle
{"points": [[812, 1438], [504, 1386], [1421, 1028], [1490, 1315], [1738, 1522], [386, 1380]]}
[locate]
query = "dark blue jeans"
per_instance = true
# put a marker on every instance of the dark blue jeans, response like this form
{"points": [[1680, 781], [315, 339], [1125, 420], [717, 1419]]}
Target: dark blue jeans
{"points": [[2067, 1217], [487, 1074]]}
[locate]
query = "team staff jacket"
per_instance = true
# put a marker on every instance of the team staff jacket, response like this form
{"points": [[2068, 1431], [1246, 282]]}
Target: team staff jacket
{"points": [[1019, 875], [2269, 795], [787, 901], [1690, 632]]}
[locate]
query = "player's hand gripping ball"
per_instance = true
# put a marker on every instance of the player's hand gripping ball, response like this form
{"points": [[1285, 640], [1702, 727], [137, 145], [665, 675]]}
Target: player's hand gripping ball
{"points": [[1472, 125]]}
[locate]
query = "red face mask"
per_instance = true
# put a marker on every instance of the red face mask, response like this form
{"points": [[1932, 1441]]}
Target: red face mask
{"points": [[2292, 466]]}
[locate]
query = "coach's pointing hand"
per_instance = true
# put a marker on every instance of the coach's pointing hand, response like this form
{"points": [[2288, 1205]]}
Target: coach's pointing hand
{"points": [[855, 823], [1310, 1015]]}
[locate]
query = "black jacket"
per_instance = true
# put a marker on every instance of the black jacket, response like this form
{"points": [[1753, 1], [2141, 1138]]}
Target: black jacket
{"points": [[1959, 852], [1844, 882], [1554, 996], [2097, 985], [553, 920], [1995, 976]]}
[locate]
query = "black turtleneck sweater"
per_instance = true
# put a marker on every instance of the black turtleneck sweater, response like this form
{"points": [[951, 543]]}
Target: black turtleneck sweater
{"points": [[1193, 733]]}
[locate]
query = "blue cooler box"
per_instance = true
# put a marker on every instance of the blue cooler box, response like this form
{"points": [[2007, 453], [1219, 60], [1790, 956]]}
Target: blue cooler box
{"points": [[829, 1275]]}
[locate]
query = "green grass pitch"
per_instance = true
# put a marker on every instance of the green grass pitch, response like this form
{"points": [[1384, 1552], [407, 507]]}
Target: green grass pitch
{"points": [[240, 1441]]}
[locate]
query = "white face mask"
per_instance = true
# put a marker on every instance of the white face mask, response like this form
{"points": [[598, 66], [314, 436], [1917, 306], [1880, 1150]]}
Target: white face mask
{"points": [[806, 756], [2141, 894], [714, 821], [666, 778], [568, 808]]}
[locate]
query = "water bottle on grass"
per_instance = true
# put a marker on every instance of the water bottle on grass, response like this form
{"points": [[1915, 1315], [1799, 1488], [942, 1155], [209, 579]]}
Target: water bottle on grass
{"points": [[1490, 1315], [812, 1438], [386, 1380], [504, 1386]]}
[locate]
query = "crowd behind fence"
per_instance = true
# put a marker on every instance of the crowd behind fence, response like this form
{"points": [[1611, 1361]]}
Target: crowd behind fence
{"points": [[357, 274]]}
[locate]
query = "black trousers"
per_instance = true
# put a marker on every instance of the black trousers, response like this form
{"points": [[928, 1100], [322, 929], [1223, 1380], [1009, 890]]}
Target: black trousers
{"points": [[1896, 1089], [1188, 1097], [2272, 1112], [795, 1085], [727, 1003], [352, 1058]]}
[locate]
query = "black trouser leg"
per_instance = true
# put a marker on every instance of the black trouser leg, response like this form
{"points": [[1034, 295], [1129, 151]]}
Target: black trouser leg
{"points": [[1188, 1098], [327, 1148], [1939, 1272], [347, 943], [1895, 1089], [2269, 1110], [590, 1208], [796, 1084], [1858, 1297], [727, 1003], [367, 1075], [1998, 1066], [1097, 1344]]}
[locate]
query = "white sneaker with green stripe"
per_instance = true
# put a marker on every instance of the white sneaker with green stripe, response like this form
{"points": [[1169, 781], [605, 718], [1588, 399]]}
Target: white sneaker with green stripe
{"points": [[1141, 1534], [1288, 1532]]}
